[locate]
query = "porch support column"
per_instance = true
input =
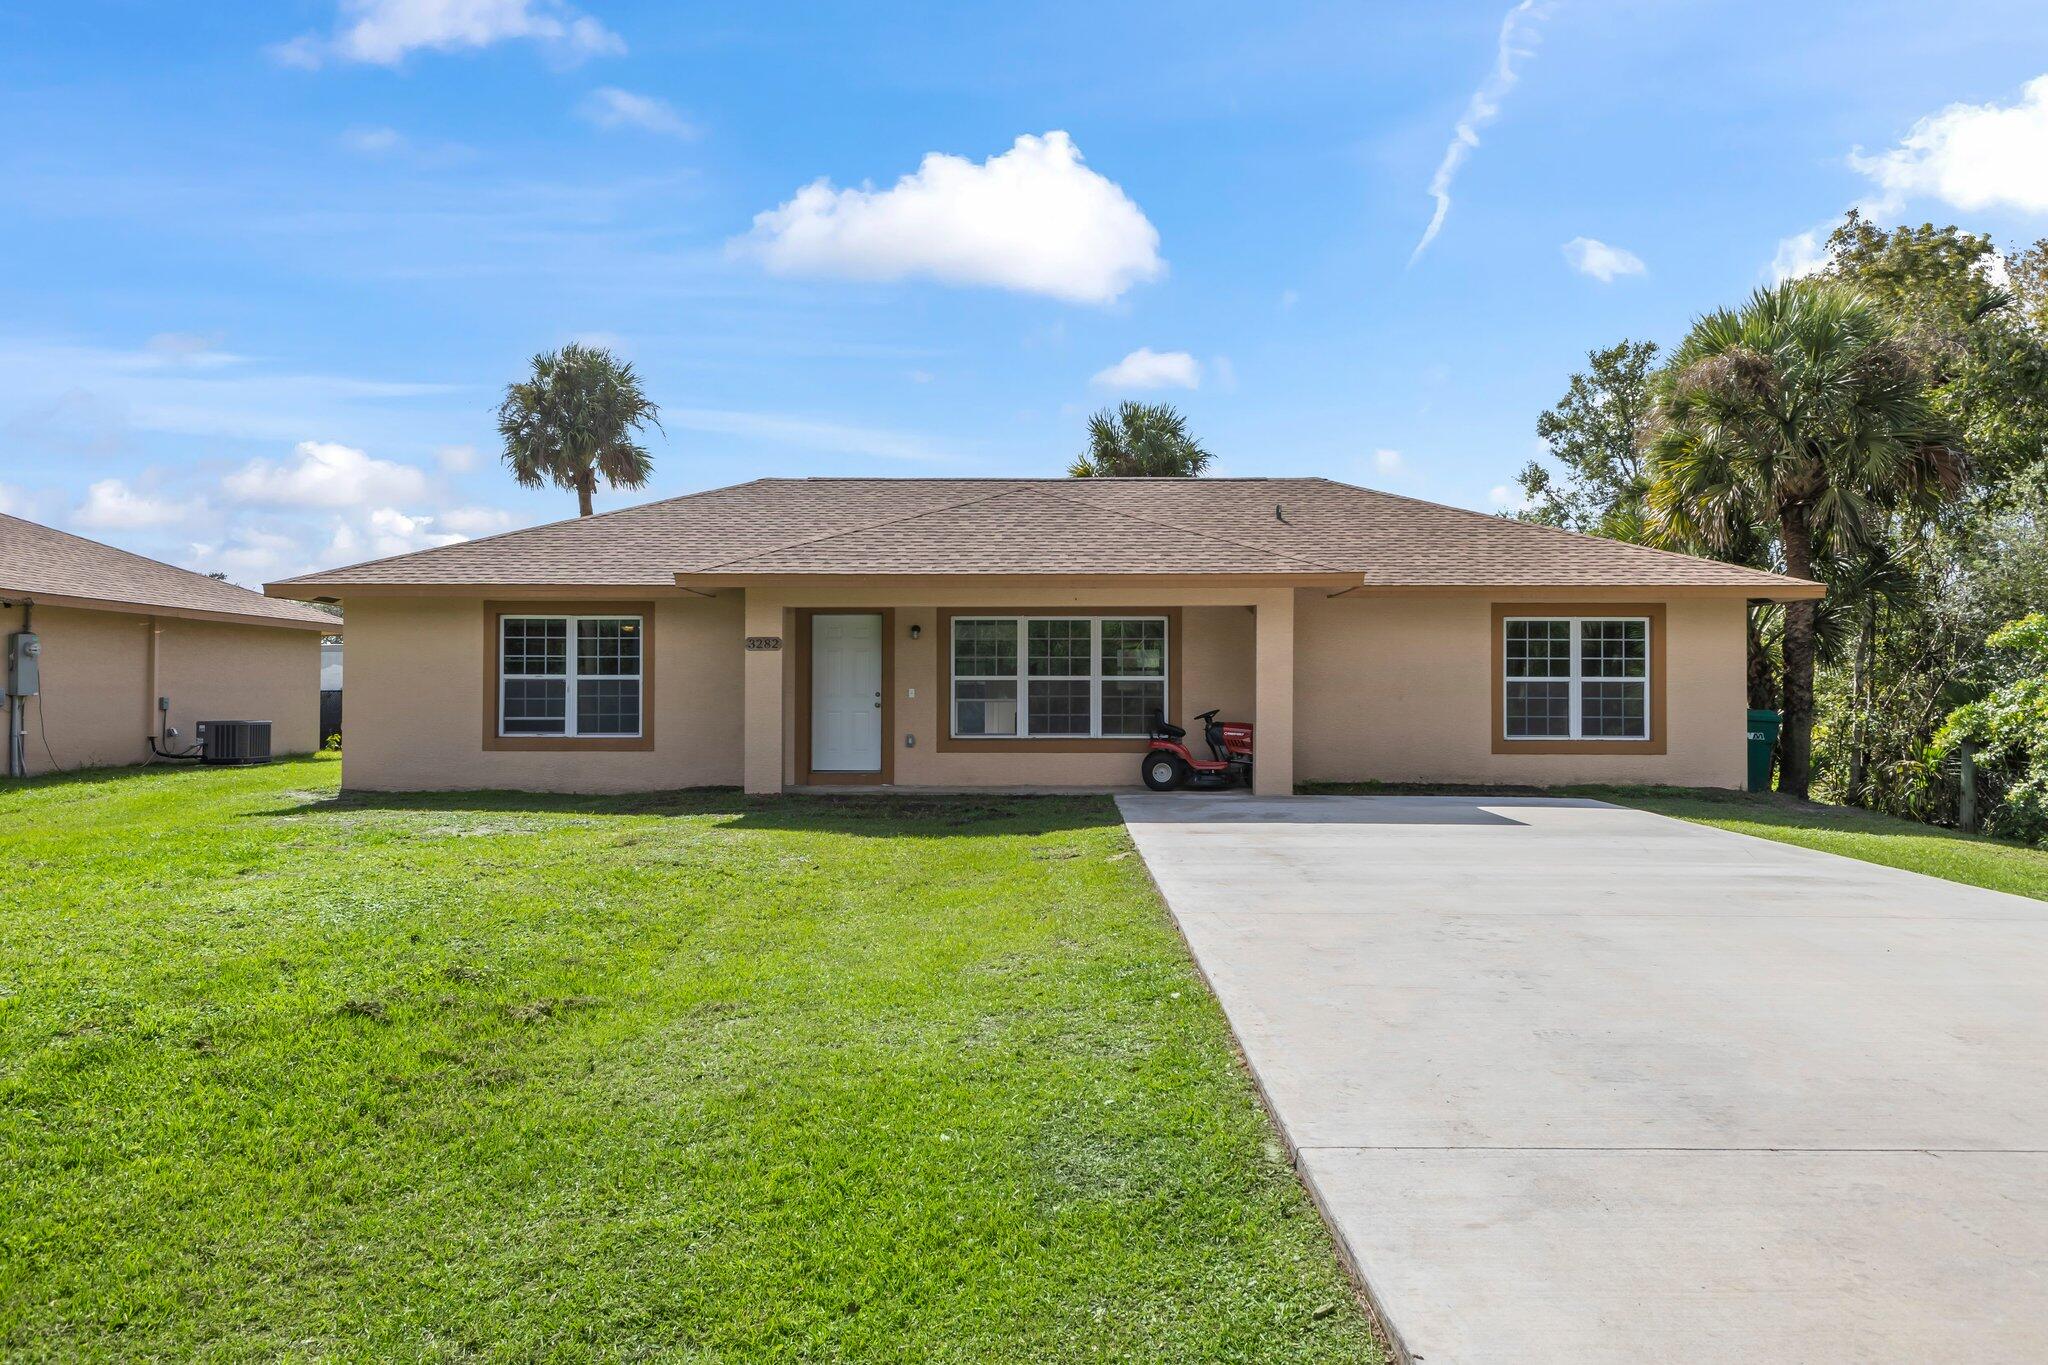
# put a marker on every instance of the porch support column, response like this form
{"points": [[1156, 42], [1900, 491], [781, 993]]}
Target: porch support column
{"points": [[762, 720], [1273, 694]]}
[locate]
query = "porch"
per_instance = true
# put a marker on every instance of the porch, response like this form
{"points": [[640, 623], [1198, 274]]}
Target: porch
{"points": [[853, 685]]}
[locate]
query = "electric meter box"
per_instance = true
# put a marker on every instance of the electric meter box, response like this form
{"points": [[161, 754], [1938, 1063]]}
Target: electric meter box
{"points": [[23, 676]]}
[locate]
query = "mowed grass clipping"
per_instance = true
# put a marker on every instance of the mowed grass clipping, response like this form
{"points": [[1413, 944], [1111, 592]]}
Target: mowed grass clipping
{"points": [[695, 1077]]}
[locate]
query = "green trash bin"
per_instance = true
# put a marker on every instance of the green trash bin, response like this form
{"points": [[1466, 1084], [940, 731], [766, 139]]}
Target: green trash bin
{"points": [[1763, 737]]}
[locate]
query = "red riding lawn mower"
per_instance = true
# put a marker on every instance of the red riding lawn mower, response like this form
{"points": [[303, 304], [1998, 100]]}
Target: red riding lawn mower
{"points": [[1169, 764]]}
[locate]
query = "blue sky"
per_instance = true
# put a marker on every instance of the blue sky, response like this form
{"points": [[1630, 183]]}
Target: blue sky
{"points": [[270, 265]]}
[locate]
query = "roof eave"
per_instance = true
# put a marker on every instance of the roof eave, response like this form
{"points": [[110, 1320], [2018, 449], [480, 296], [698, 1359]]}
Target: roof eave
{"points": [[1784, 590], [331, 626]]}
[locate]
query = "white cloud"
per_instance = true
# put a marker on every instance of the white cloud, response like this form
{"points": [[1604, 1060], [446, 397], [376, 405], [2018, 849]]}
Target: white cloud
{"points": [[611, 107], [1517, 40], [1803, 253], [1388, 462], [13, 502], [1033, 219], [476, 521], [373, 141], [458, 459], [1969, 156], [253, 553], [1508, 497], [1288, 298], [111, 505], [1590, 256], [250, 555], [1146, 368], [385, 531], [178, 350], [325, 474], [921, 376], [385, 32]]}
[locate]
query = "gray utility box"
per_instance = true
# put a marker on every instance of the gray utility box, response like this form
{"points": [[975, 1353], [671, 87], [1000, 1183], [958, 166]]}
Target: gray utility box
{"points": [[23, 673], [234, 741]]}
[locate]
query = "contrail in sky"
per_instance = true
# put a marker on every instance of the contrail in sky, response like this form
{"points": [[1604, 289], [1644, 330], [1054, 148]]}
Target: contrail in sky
{"points": [[1517, 40]]}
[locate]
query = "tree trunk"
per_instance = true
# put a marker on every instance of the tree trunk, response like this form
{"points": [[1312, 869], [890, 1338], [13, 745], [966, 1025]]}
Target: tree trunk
{"points": [[1860, 699], [1796, 775], [583, 507], [1763, 676]]}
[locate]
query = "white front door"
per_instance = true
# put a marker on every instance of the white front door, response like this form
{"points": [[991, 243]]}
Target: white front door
{"points": [[846, 693]]}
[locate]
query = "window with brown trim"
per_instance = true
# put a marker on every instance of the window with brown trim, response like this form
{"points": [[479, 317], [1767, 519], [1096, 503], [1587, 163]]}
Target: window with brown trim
{"points": [[1578, 678], [568, 676], [1057, 677]]}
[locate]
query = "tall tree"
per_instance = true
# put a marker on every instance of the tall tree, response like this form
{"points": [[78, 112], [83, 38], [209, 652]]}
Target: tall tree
{"points": [[1139, 441], [1803, 412], [1977, 320], [573, 421], [1595, 436]]}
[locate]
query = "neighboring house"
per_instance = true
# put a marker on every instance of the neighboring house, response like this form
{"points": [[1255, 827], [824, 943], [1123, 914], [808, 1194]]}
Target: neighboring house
{"points": [[1017, 633], [330, 691], [118, 632]]}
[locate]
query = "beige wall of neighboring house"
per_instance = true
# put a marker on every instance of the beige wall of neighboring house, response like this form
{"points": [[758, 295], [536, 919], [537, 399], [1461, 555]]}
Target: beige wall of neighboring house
{"points": [[1342, 688], [97, 705]]}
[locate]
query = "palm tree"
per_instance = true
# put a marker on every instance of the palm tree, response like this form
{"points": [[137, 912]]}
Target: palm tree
{"points": [[572, 423], [1804, 414], [1139, 441]]}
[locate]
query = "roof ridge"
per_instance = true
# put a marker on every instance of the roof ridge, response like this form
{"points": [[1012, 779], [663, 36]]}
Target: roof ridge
{"points": [[1545, 527], [537, 526], [847, 530], [1206, 535]]}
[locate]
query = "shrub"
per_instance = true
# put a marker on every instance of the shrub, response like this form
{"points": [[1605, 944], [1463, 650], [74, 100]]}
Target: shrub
{"points": [[2010, 729]]}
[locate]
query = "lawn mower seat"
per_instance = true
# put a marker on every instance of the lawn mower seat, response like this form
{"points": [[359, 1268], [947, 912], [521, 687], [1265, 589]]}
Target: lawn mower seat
{"points": [[1165, 731]]}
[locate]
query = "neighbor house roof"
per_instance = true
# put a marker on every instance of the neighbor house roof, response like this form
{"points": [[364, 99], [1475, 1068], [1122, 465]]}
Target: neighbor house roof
{"points": [[1155, 527], [49, 566]]}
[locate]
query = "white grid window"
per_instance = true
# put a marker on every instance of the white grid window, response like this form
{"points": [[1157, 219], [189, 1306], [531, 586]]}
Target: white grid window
{"points": [[1057, 677], [569, 676], [1582, 677]]}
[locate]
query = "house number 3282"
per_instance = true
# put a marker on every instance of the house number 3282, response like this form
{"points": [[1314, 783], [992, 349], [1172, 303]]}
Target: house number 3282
{"points": [[757, 643]]}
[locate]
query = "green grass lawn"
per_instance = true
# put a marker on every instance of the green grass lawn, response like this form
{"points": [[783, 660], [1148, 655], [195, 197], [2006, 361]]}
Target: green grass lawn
{"points": [[692, 1077], [1853, 833]]}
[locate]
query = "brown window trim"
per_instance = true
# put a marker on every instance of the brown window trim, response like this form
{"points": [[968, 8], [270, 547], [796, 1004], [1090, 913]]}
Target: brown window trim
{"points": [[1655, 744], [559, 744], [886, 775], [947, 744]]}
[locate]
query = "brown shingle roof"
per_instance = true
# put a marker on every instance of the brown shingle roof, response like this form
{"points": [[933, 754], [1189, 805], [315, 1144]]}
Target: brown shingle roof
{"points": [[1045, 526], [40, 563]]}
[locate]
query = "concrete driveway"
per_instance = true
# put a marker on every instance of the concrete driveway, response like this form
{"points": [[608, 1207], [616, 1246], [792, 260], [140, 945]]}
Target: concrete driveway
{"points": [[1580, 1083]]}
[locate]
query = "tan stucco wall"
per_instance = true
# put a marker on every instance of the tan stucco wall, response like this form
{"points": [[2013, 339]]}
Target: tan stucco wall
{"points": [[1400, 689], [97, 704], [415, 699], [1382, 688]]}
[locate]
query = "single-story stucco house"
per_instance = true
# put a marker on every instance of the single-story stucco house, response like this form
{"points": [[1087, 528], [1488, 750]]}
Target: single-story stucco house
{"points": [[128, 648], [1018, 633]]}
